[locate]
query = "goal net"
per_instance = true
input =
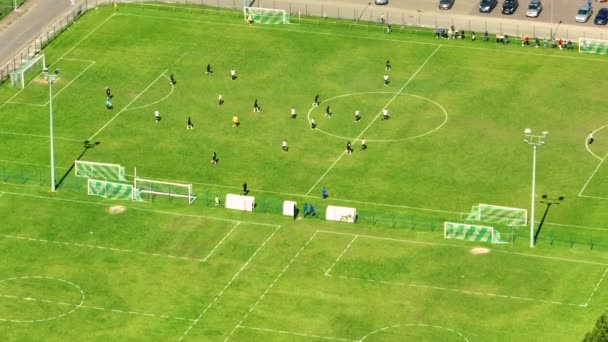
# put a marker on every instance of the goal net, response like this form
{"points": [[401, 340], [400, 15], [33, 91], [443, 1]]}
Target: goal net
{"points": [[28, 69], [110, 190], [146, 189], [265, 15], [497, 214], [99, 170], [595, 46], [472, 232]]}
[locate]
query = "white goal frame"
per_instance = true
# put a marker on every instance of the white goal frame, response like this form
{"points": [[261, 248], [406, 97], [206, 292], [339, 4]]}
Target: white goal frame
{"points": [[18, 75], [591, 45], [260, 10], [138, 189], [84, 168]]}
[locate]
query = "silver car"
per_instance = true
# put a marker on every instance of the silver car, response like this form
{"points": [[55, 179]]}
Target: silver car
{"points": [[583, 14], [534, 9]]}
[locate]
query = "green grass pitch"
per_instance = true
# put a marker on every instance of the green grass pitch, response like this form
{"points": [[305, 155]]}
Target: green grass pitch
{"points": [[77, 267]]}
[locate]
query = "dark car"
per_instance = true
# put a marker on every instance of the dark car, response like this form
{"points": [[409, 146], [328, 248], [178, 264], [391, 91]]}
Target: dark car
{"points": [[602, 17], [509, 6], [486, 6], [446, 4]]}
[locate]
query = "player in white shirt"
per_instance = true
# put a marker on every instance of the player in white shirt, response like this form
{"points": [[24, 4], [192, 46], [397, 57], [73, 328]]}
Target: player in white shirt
{"points": [[157, 116], [386, 81], [293, 112], [385, 115], [285, 148], [232, 74], [357, 115]]}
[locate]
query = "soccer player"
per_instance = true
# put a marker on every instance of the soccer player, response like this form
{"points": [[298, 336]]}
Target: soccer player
{"points": [[108, 93], [363, 144], [313, 123], [316, 102], [357, 115], [190, 125], [284, 147], [157, 116], [388, 65], [217, 200], [172, 78], [220, 99], [293, 112], [245, 190], [214, 158], [324, 193], [209, 71], [349, 148], [109, 103], [386, 81], [232, 74], [590, 138], [235, 121], [256, 107], [328, 112], [385, 114]]}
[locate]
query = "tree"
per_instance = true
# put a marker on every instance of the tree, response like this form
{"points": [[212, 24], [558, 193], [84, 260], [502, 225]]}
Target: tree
{"points": [[600, 332]]}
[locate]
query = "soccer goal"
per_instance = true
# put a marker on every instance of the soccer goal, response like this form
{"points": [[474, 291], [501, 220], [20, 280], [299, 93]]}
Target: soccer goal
{"points": [[471, 232], [105, 171], [110, 190], [28, 69], [265, 15], [497, 214], [595, 46], [146, 189]]}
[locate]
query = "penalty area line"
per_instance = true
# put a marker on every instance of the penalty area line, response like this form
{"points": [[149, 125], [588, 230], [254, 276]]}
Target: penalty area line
{"points": [[128, 104]]}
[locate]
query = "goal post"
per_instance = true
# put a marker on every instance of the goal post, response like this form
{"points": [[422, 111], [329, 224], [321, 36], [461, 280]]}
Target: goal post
{"points": [[28, 69], [265, 15], [105, 171], [145, 189], [595, 46], [110, 190], [474, 232]]}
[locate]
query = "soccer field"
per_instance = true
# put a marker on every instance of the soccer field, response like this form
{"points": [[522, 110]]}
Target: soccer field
{"points": [[79, 267]]}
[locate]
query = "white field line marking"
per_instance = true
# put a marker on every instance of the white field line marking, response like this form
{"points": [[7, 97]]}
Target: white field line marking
{"points": [[587, 143], [71, 81], [140, 209], [78, 60], [297, 334], [30, 164], [595, 288], [221, 241], [341, 254], [40, 136], [414, 325], [90, 307], [23, 238], [368, 38], [219, 295], [1, 194], [62, 56], [179, 59], [593, 174], [465, 246], [158, 101], [271, 286], [575, 226], [25, 103], [454, 290], [128, 104], [594, 197], [376, 117]]}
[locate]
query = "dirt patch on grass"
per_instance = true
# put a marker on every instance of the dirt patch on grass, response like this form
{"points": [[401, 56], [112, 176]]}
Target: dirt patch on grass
{"points": [[116, 209], [479, 250]]}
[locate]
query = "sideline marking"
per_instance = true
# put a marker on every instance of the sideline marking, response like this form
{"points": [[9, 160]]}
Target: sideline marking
{"points": [[221, 241], [414, 325], [271, 285], [297, 334], [25, 103], [341, 255], [140, 209], [229, 283], [376, 117], [593, 174], [23, 238], [31, 164], [41, 136], [128, 104], [595, 288]]}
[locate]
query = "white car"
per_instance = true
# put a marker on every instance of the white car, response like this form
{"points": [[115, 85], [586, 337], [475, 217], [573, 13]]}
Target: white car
{"points": [[381, 2], [534, 9], [583, 14]]}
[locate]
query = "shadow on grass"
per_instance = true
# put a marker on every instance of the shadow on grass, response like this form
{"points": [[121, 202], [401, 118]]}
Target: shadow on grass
{"points": [[87, 145]]}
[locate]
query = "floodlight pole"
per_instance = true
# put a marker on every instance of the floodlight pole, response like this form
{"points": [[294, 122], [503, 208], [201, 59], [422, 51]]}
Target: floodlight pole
{"points": [[51, 79], [535, 141]]}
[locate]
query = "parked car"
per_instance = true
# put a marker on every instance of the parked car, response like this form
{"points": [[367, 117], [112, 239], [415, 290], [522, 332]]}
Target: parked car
{"points": [[486, 6], [583, 14], [534, 8], [446, 4], [602, 17], [381, 2], [509, 6]]}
